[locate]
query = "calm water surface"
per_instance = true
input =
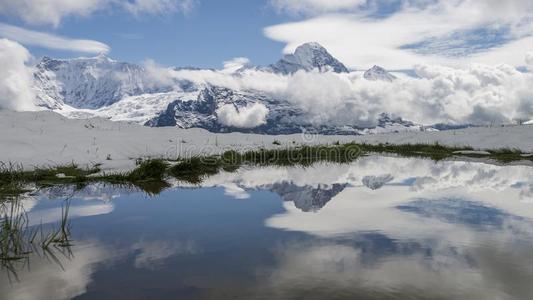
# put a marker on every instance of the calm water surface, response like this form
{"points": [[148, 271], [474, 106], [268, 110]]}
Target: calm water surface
{"points": [[379, 228]]}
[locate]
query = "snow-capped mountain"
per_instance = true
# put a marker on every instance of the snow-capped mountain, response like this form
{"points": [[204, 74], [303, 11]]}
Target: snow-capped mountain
{"points": [[100, 86], [308, 57], [89, 82], [377, 73]]}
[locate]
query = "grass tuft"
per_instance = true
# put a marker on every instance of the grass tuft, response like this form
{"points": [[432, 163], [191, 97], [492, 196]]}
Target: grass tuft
{"points": [[194, 169], [433, 151], [150, 170], [18, 239]]}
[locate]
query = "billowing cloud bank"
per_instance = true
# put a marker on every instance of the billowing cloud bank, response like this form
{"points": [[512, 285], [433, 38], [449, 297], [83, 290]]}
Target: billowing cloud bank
{"points": [[479, 94], [400, 33], [51, 41], [53, 11], [245, 117], [16, 78]]}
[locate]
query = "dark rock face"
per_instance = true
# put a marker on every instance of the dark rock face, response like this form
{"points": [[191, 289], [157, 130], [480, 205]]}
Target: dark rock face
{"points": [[283, 118]]}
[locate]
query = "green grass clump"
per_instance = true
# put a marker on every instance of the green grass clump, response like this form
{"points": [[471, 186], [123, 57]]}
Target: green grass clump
{"points": [[231, 161], [196, 168], [10, 173], [433, 151], [11, 190], [507, 155], [439, 152], [150, 170], [149, 176], [18, 240], [304, 155], [13, 225]]}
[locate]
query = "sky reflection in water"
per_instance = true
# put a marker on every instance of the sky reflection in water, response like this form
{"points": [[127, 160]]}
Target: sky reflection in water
{"points": [[379, 228]]}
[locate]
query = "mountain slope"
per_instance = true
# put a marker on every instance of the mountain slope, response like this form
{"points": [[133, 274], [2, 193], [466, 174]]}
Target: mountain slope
{"points": [[88, 82], [283, 118], [202, 112]]}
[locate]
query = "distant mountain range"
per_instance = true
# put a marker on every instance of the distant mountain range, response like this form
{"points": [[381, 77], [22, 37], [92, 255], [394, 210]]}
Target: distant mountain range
{"points": [[100, 86]]}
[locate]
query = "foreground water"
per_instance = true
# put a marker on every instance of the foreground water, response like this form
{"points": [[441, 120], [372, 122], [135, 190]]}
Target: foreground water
{"points": [[379, 228]]}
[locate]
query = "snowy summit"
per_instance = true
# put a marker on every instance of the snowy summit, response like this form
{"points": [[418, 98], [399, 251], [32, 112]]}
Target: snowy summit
{"points": [[377, 73], [308, 57]]}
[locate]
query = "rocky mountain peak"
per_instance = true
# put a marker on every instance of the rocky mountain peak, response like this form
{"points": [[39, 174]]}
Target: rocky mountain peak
{"points": [[308, 57], [377, 73]]}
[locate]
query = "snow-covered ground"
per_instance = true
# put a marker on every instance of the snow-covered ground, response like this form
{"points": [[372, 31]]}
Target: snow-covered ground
{"points": [[479, 138], [46, 138]]}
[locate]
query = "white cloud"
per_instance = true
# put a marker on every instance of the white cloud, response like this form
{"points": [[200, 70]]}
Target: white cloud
{"points": [[52, 12], [235, 64], [495, 8], [66, 279], [330, 98], [233, 190], [157, 75], [529, 59], [477, 94], [140, 7], [245, 117], [316, 6], [16, 78], [449, 180], [51, 41], [361, 40], [247, 80], [460, 179], [152, 254], [349, 268], [49, 11]]}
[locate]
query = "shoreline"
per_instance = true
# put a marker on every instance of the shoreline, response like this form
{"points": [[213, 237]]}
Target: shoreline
{"points": [[155, 175], [46, 139]]}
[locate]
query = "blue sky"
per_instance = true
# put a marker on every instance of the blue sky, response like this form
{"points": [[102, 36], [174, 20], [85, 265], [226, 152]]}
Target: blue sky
{"points": [[204, 33], [214, 31]]}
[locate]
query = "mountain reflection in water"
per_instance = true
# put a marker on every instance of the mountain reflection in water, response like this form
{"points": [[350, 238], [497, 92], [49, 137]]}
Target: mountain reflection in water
{"points": [[378, 228]]}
